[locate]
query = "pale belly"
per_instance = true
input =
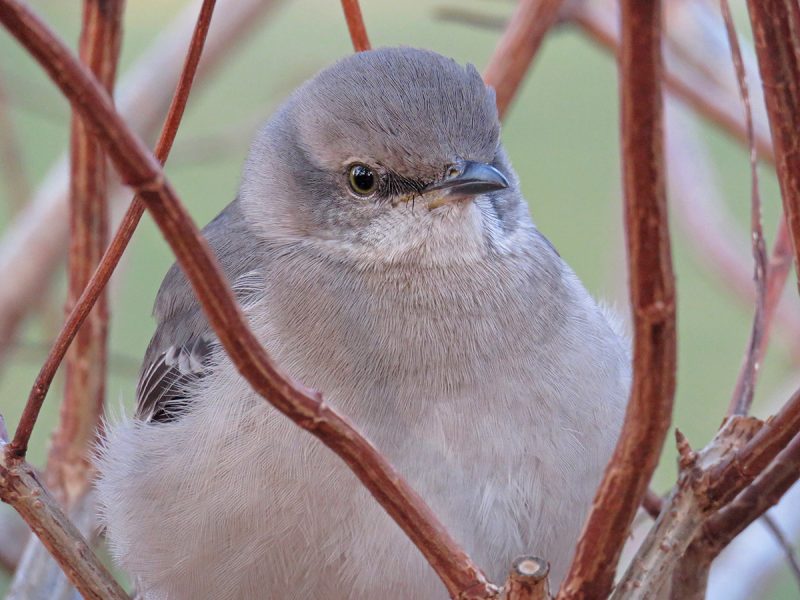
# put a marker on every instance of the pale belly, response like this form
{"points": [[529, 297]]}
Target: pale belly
{"points": [[256, 508]]}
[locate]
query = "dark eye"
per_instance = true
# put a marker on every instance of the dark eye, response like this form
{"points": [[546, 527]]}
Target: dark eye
{"points": [[362, 179]]}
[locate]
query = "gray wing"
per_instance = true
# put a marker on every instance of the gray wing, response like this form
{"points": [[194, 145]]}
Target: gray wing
{"points": [[180, 350]]}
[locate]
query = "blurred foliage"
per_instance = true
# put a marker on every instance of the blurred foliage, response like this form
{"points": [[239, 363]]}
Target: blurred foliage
{"points": [[561, 134]]}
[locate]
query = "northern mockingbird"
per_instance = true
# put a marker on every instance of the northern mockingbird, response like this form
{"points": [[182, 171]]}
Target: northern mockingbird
{"points": [[383, 253]]}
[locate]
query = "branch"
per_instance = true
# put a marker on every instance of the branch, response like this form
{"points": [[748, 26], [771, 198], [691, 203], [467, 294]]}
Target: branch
{"points": [[355, 24], [653, 303], [21, 488], [113, 254], [527, 580], [775, 31], [517, 47], [684, 512], [745, 385], [139, 169], [35, 243], [68, 469], [722, 109]]}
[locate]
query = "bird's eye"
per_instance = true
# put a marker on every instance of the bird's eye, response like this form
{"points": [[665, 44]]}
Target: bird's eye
{"points": [[362, 179]]}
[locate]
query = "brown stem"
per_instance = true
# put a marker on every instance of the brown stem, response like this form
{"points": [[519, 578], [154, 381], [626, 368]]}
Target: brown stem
{"points": [[653, 304], [746, 382], [34, 245], [517, 47], [355, 24], [20, 487], [139, 169], [777, 42], [527, 580], [729, 477], [721, 110], [113, 254], [68, 468]]}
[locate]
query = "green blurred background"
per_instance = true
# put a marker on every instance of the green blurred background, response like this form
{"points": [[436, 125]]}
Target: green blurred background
{"points": [[562, 136]]}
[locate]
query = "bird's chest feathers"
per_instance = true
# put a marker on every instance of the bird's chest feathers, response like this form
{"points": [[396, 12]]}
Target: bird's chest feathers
{"points": [[431, 329]]}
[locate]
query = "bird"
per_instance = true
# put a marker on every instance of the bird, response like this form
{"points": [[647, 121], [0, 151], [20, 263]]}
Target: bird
{"points": [[383, 253]]}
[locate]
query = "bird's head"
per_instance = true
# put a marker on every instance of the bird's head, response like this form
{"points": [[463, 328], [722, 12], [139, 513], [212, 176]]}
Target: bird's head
{"points": [[389, 151]]}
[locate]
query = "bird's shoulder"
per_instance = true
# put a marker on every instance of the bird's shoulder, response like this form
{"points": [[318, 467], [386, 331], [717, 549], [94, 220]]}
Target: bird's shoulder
{"points": [[182, 346]]}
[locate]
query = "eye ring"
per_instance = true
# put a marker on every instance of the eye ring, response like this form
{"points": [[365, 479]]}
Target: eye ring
{"points": [[362, 179]]}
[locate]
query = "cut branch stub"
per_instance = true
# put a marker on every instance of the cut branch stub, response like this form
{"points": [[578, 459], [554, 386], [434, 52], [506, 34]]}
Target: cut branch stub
{"points": [[527, 580]]}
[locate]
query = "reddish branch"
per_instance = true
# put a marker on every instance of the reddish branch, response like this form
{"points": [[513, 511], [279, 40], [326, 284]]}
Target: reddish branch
{"points": [[653, 304], [775, 31], [139, 169], [730, 476], [722, 110], [754, 501], [514, 53], [355, 24], [84, 395], [112, 256], [35, 244], [746, 382]]}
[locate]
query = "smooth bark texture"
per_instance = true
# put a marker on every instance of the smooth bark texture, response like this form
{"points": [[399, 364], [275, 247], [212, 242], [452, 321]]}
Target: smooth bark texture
{"points": [[355, 24], [652, 288]]}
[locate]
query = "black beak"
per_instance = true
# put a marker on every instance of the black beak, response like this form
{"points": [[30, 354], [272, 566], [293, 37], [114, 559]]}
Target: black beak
{"points": [[470, 178]]}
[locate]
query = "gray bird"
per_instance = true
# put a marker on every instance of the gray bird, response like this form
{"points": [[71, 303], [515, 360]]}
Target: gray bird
{"points": [[384, 255]]}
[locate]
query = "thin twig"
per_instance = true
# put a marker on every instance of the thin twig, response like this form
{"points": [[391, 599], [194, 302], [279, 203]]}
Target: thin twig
{"points": [[745, 385], [139, 169], [355, 24], [114, 252], [517, 47], [68, 467], [721, 109], [652, 287], [34, 245], [777, 45]]}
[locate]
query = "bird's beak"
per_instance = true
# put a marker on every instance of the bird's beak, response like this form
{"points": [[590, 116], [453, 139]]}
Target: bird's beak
{"points": [[466, 180]]}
